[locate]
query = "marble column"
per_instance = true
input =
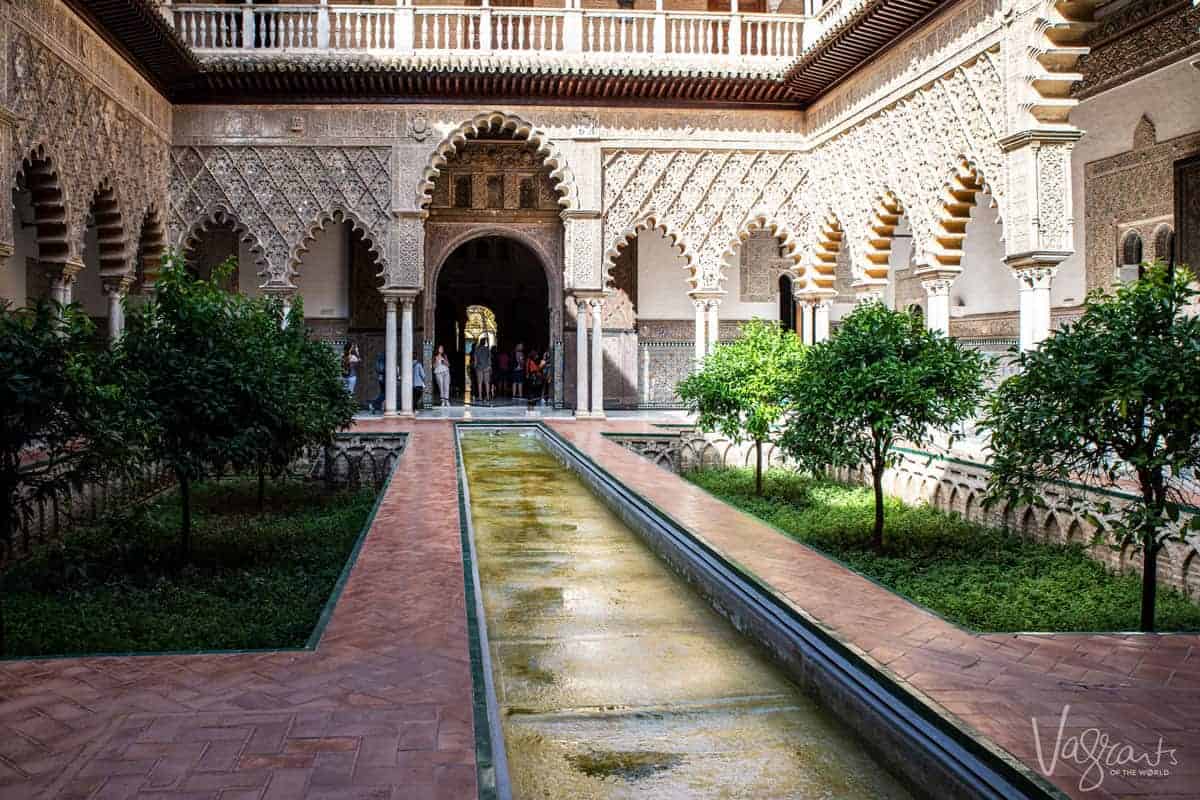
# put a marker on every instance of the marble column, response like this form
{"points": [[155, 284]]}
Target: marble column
{"points": [[1034, 303], [406, 357], [714, 328], [821, 321], [937, 306], [389, 375], [597, 306], [806, 318], [581, 359], [116, 291], [699, 306]]}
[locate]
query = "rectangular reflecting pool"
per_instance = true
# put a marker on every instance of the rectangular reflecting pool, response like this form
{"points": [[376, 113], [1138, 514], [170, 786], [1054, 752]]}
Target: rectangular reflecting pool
{"points": [[613, 677]]}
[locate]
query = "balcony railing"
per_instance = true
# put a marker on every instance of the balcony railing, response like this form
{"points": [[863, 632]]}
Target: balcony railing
{"points": [[405, 28]]}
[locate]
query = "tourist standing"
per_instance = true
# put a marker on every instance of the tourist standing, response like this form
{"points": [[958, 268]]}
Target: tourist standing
{"points": [[441, 373], [418, 382], [518, 375], [380, 374], [533, 376], [547, 373], [483, 368], [350, 362]]}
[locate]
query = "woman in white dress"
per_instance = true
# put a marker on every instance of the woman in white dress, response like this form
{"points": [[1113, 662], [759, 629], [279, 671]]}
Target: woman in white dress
{"points": [[441, 373]]}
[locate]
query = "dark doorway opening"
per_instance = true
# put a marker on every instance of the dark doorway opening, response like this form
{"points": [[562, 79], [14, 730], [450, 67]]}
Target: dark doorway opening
{"points": [[506, 277]]}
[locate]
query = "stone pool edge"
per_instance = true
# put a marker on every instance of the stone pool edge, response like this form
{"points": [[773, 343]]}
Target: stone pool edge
{"points": [[931, 750]]}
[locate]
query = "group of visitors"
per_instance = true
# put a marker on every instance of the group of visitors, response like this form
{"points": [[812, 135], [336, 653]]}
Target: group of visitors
{"points": [[495, 373], [511, 373]]}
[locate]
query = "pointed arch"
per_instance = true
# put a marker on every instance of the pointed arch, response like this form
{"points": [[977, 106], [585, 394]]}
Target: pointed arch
{"points": [[499, 121], [760, 220], [151, 245], [885, 218], [651, 221], [819, 268], [218, 215], [957, 199], [38, 174], [111, 242], [336, 214]]}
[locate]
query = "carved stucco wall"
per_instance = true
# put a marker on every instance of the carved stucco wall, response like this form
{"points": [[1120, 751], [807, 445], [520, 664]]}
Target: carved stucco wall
{"points": [[79, 104], [1132, 191], [282, 195]]}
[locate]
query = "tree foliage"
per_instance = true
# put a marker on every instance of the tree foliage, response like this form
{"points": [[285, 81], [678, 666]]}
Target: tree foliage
{"points": [[60, 405], [740, 388], [882, 378], [299, 400], [1111, 401], [193, 372]]}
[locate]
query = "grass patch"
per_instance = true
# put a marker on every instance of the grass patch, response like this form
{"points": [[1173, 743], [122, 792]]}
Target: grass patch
{"points": [[255, 580], [979, 577]]}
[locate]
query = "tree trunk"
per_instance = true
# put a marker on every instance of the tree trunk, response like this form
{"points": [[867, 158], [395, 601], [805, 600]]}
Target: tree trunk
{"points": [[877, 484], [758, 467], [1149, 582], [261, 488], [185, 541]]}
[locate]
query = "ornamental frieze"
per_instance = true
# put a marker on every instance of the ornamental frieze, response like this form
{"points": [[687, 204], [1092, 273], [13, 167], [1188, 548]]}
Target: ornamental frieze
{"points": [[1136, 40], [282, 196]]}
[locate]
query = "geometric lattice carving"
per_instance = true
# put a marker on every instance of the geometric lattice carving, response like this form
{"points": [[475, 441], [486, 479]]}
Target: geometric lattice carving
{"points": [[282, 195], [95, 146], [705, 202]]}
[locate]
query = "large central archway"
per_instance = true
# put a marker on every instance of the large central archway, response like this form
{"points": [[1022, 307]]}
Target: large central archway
{"points": [[503, 274]]}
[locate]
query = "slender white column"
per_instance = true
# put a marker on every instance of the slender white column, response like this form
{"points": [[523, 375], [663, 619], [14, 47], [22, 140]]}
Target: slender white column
{"points": [[389, 374], [597, 306], [1034, 296], [406, 357], [581, 359], [714, 328], [646, 375], [806, 318], [699, 305], [937, 311], [821, 321], [116, 311]]}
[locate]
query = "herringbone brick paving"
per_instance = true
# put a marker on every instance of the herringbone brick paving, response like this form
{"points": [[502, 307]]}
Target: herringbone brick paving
{"points": [[1131, 688], [382, 709]]}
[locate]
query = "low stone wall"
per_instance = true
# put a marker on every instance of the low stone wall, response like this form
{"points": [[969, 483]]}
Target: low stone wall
{"points": [[951, 479]]}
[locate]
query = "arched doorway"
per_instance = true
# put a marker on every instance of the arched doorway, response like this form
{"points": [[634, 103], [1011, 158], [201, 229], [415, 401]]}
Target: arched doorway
{"points": [[503, 275]]}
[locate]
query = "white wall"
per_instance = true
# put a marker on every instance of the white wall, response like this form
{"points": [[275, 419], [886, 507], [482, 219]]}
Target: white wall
{"points": [[986, 285], [324, 278], [1169, 96], [663, 287]]}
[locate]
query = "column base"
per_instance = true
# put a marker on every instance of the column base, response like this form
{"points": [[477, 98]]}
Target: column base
{"points": [[583, 415], [405, 414], [596, 415], [392, 413]]}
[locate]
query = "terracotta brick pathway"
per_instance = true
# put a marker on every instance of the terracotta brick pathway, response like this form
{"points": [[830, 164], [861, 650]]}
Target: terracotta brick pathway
{"points": [[1133, 688], [382, 709]]}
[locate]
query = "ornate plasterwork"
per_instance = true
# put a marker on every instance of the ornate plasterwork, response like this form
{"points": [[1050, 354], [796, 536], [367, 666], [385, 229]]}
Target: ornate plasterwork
{"points": [[1131, 191], [705, 202], [283, 194], [912, 152], [498, 121], [98, 148], [1138, 39]]}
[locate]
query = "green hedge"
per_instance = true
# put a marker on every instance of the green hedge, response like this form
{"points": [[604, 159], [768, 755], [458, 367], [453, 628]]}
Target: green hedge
{"points": [[254, 580], [979, 577]]}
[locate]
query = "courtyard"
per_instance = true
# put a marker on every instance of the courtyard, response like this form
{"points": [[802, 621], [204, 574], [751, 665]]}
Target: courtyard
{"points": [[598, 399]]}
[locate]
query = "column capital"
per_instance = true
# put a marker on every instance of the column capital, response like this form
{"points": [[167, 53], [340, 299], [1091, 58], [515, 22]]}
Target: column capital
{"points": [[937, 286], [116, 284], [402, 296], [1039, 136]]}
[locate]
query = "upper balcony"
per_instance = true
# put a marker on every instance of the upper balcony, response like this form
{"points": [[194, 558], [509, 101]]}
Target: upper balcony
{"points": [[660, 34]]}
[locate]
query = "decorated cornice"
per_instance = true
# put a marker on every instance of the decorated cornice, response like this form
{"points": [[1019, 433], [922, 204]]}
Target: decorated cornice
{"points": [[338, 77], [139, 30], [1140, 38]]}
